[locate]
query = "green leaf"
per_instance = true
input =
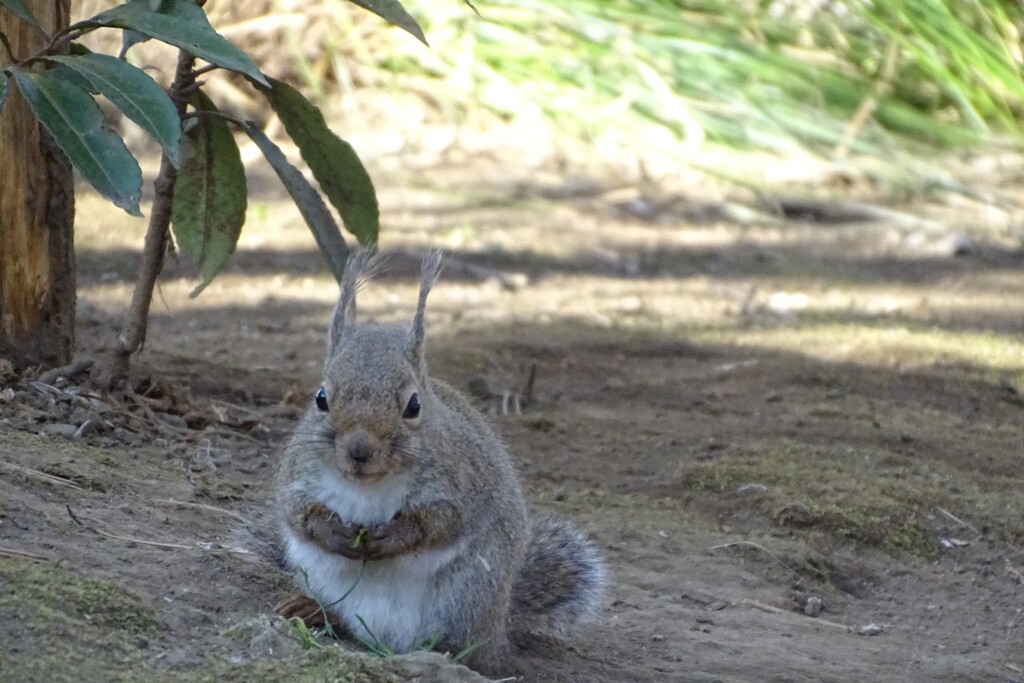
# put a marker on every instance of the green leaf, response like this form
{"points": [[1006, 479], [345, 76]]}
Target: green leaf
{"points": [[21, 10], [332, 160], [75, 122], [130, 39], [393, 12], [210, 194], [134, 93], [180, 23], [318, 217]]}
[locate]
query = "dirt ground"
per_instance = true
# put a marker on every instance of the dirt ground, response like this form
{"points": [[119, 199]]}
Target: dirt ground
{"points": [[800, 445]]}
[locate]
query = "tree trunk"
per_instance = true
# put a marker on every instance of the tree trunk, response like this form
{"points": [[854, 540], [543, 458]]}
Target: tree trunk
{"points": [[37, 258]]}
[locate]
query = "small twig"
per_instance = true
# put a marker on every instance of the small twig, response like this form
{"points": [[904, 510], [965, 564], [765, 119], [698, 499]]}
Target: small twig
{"points": [[203, 70], [176, 546], [763, 606], [11, 552], [868, 105], [53, 479], [198, 545], [72, 515], [68, 372], [152, 417], [206, 113], [757, 546], [528, 389], [235, 406], [778, 610], [58, 43], [956, 519], [230, 433], [201, 506], [7, 46]]}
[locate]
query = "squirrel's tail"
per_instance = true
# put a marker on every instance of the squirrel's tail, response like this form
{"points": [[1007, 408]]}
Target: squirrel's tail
{"points": [[563, 578], [258, 535]]}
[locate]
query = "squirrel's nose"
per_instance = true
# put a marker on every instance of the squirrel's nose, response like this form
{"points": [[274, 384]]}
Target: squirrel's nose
{"points": [[360, 449]]}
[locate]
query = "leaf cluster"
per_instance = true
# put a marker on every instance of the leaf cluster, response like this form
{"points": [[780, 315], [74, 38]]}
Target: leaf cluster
{"points": [[60, 83]]}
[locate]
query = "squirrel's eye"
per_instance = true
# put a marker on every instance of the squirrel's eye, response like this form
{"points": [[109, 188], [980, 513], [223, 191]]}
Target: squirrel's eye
{"points": [[412, 408], [321, 399]]}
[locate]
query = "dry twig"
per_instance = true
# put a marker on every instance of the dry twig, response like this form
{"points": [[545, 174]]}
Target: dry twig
{"points": [[11, 552], [956, 519], [778, 610], [201, 506], [53, 479], [68, 372]]}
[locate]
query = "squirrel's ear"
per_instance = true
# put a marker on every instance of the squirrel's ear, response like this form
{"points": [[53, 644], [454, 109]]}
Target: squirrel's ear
{"points": [[356, 271], [429, 270]]}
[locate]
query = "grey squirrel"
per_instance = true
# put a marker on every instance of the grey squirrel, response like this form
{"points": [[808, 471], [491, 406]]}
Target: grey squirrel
{"points": [[401, 511]]}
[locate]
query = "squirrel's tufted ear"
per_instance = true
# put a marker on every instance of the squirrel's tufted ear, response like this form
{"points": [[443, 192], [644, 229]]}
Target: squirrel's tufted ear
{"points": [[429, 270], [357, 270]]}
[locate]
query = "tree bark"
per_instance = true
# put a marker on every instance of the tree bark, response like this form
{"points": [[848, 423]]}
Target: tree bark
{"points": [[37, 258]]}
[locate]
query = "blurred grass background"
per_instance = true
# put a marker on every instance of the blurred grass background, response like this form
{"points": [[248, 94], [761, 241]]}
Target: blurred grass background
{"points": [[905, 95]]}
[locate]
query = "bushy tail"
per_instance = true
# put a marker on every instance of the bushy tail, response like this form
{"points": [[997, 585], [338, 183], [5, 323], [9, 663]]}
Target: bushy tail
{"points": [[562, 582], [258, 534]]}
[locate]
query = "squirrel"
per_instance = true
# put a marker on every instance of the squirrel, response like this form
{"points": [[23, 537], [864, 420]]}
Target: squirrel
{"points": [[401, 511]]}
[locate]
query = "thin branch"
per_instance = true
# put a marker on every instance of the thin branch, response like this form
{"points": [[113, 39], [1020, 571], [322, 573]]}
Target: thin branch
{"points": [[200, 506], [203, 70], [772, 609], [68, 372], [174, 546], [867, 107], [11, 552], [956, 519], [72, 515], [133, 333], [204, 113], [7, 47], [53, 479], [59, 42]]}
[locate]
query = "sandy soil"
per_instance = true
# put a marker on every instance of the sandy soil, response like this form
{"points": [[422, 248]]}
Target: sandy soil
{"points": [[800, 446]]}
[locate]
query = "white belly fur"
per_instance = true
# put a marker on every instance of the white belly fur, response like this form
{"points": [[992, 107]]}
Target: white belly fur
{"points": [[395, 598]]}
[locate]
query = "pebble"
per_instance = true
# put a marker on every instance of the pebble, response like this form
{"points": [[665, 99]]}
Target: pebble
{"points": [[814, 606], [60, 429], [870, 630]]}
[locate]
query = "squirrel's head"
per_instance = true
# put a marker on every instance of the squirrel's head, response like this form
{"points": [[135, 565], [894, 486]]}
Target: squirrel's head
{"points": [[375, 399]]}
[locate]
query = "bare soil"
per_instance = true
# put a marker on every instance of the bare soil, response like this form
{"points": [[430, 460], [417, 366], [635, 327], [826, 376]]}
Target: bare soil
{"points": [[800, 445]]}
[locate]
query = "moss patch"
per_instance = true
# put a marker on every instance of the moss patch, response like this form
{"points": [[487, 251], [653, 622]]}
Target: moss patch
{"points": [[864, 495], [54, 621]]}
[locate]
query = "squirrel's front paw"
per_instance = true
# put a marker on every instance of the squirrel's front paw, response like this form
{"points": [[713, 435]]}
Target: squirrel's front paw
{"points": [[321, 525], [399, 536]]}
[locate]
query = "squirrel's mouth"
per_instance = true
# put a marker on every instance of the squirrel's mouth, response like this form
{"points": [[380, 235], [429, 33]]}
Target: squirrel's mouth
{"points": [[364, 474]]}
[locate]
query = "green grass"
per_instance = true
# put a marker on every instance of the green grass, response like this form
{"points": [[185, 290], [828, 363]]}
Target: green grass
{"points": [[879, 86], [685, 80]]}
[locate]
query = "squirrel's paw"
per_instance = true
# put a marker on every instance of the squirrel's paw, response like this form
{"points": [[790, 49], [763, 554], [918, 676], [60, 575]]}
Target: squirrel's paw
{"points": [[321, 525], [397, 537]]}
